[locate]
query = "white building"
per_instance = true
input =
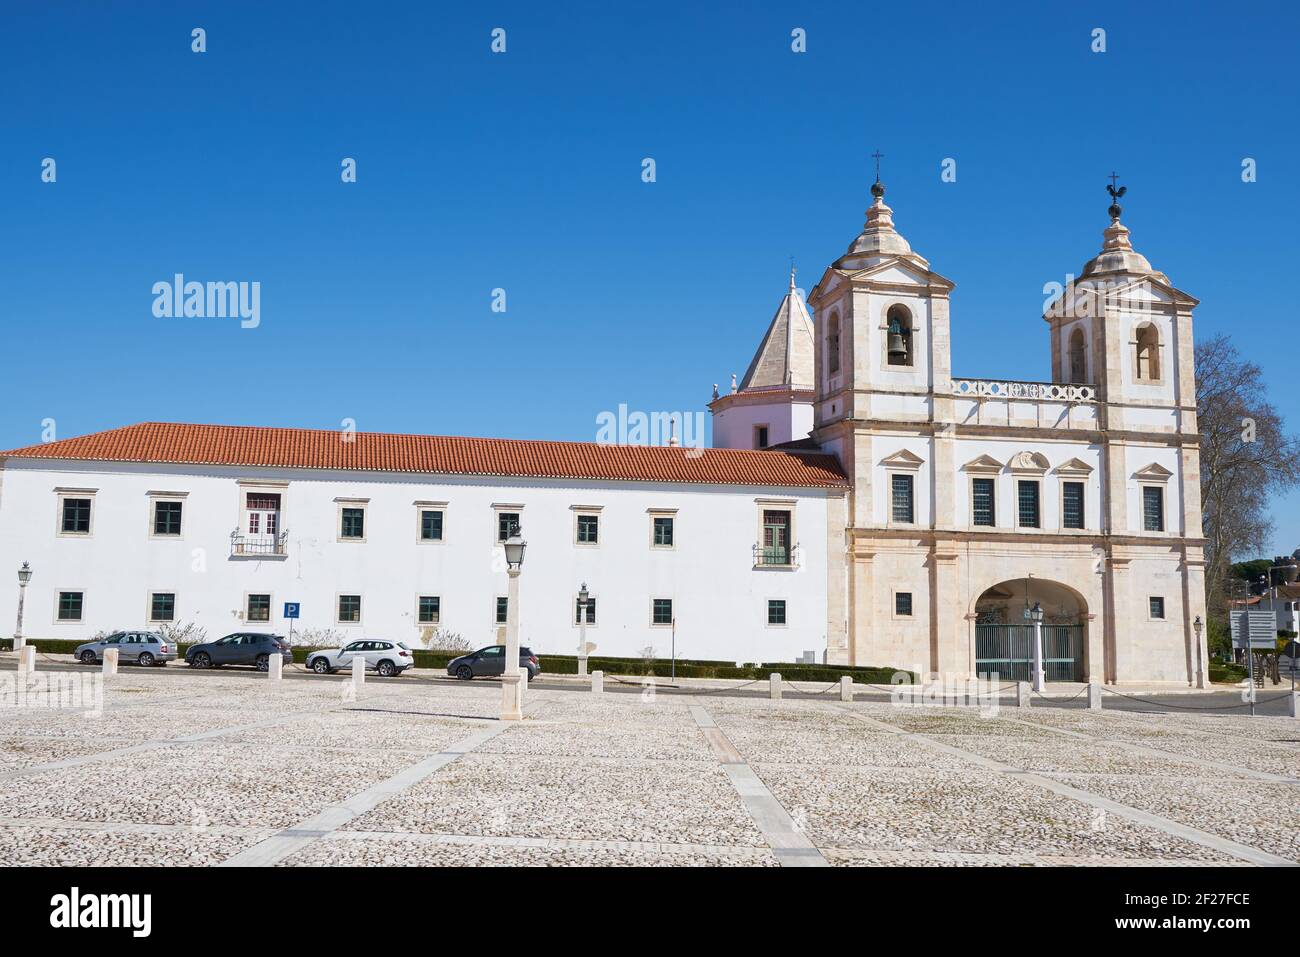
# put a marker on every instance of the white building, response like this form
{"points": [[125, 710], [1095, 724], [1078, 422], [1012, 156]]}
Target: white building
{"points": [[864, 503]]}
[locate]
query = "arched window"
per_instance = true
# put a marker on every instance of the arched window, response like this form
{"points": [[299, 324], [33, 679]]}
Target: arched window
{"points": [[898, 336], [1148, 353], [833, 344], [1078, 357]]}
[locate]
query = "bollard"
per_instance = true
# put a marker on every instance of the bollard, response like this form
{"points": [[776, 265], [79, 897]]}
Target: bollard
{"points": [[846, 688], [27, 659], [1022, 694], [358, 673], [598, 682], [1295, 704], [110, 662], [582, 666], [774, 684], [1094, 696], [19, 643], [275, 671]]}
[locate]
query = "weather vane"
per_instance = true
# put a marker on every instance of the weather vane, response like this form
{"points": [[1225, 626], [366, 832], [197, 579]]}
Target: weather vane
{"points": [[878, 188], [1115, 194]]}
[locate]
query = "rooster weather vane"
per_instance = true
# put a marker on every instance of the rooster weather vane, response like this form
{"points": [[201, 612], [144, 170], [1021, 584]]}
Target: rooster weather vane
{"points": [[1115, 194]]}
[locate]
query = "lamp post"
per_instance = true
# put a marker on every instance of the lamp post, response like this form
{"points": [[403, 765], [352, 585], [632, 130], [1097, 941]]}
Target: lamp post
{"points": [[24, 576], [1035, 615], [1198, 626], [512, 687], [583, 597]]}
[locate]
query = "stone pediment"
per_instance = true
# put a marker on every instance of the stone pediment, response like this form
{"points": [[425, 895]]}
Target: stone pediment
{"points": [[1155, 472], [1074, 467], [902, 459], [1028, 462], [984, 463]]}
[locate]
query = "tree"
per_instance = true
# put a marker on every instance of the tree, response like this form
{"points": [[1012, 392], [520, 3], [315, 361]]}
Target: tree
{"points": [[1246, 458]]}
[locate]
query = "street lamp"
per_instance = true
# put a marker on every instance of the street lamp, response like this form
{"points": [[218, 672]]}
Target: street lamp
{"points": [[583, 597], [1035, 615], [1198, 626], [512, 687], [24, 576]]}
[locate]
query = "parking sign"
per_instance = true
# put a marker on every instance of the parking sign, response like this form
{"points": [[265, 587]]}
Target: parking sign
{"points": [[291, 609]]}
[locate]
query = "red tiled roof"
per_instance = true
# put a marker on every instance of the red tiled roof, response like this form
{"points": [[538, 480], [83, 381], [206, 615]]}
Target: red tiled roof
{"points": [[177, 443]]}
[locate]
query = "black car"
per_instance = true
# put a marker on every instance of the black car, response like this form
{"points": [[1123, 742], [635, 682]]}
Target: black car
{"points": [[490, 661], [241, 648]]}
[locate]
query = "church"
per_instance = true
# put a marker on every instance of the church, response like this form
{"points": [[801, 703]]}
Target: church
{"points": [[861, 505]]}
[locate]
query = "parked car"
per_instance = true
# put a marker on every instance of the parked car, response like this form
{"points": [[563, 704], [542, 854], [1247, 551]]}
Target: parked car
{"points": [[387, 658], [145, 648], [241, 648], [491, 661]]}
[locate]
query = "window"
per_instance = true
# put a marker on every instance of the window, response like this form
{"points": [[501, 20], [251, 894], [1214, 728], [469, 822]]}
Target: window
{"points": [[983, 510], [833, 344], [349, 609], [352, 522], [591, 610], [70, 605], [662, 531], [901, 508], [1072, 504], [1027, 500], [258, 608], [1078, 357], [760, 436], [776, 537], [1157, 606], [661, 611], [898, 336], [430, 525], [262, 522], [1153, 508], [167, 518], [162, 606], [588, 529], [430, 609], [503, 609], [507, 522], [776, 611], [903, 604], [1147, 345], [76, 516]]}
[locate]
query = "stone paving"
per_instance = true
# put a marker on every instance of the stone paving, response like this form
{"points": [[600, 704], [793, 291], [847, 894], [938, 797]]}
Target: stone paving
{"points": [[189, 771]]}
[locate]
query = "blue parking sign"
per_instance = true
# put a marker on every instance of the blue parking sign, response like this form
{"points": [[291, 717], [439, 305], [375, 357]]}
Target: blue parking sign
{"points": [[291, 609]]}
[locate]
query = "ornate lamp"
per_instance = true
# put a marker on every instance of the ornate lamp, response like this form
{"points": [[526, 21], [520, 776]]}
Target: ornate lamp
{"points": [[514, 548]]}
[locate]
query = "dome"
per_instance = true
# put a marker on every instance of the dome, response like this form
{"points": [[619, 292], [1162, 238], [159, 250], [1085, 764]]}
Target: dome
{"points": [[1117, 253]]}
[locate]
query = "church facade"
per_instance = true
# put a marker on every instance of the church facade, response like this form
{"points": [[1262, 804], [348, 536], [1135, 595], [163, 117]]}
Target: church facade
{"points": [[972, 501], [862, 504]]}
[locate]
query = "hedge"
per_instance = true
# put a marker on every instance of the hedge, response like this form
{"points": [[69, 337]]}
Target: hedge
{"points": [[568, 665]]}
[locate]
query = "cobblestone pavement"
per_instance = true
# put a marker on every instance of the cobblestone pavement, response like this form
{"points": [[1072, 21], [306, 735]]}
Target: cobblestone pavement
{"points": [[231, 770]]}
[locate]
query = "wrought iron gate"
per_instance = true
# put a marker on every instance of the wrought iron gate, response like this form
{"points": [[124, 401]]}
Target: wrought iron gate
{"points": [[1008, 651]]}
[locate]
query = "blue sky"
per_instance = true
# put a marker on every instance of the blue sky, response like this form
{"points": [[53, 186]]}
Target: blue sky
{"points": [[522, 171]]}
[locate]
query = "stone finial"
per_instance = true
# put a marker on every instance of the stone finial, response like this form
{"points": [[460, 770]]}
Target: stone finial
{"points": [[733, 383], [715, 390]]}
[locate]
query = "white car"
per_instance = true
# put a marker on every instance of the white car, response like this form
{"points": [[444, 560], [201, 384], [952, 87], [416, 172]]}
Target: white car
{"points": [[386, 658]]}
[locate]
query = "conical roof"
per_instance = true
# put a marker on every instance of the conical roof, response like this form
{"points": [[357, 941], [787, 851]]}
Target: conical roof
{"points": [[785, 356]]}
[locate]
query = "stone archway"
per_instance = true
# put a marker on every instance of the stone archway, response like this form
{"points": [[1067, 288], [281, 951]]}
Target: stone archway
{"points": [[1004, 639]]}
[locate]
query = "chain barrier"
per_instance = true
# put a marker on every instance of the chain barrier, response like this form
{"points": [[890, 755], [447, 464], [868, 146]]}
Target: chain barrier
{"points": [[1073, 697], [1184, 707]]}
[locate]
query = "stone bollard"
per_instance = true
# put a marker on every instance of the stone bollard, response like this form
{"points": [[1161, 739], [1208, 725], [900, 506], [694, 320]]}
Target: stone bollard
{"points": [[358, 673], [1022, 694], [774, 685], [582, 666], [598, 682], [1295, 704], [110, 662], [275, 669], [1094, 696], [19, 643], [27, 659], [846, 688]]}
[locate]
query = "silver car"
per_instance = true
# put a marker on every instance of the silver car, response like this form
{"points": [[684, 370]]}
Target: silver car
{"points": [[145, 648], [387, 658]]}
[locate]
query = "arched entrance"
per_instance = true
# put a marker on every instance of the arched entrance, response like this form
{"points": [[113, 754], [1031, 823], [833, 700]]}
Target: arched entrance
{"points": [[1004, 638]]}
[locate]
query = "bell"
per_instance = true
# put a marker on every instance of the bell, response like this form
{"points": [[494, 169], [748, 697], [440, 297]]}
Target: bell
{"points": [[897, 348]]}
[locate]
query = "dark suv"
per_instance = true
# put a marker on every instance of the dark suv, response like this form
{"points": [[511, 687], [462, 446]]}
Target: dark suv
{"points": [[490, 661], [241, 648]]}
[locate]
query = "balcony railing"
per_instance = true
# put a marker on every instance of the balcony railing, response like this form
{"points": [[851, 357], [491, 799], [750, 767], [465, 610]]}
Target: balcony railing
{"points": [[1013, 389], [259, 546], [776, 556]]}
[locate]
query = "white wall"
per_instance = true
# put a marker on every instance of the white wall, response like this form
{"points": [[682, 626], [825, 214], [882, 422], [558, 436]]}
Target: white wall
{"points": [[733, 427], [720, 600]]}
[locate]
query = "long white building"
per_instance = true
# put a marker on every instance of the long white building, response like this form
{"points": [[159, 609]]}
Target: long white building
{"points": [[864, 502]]}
